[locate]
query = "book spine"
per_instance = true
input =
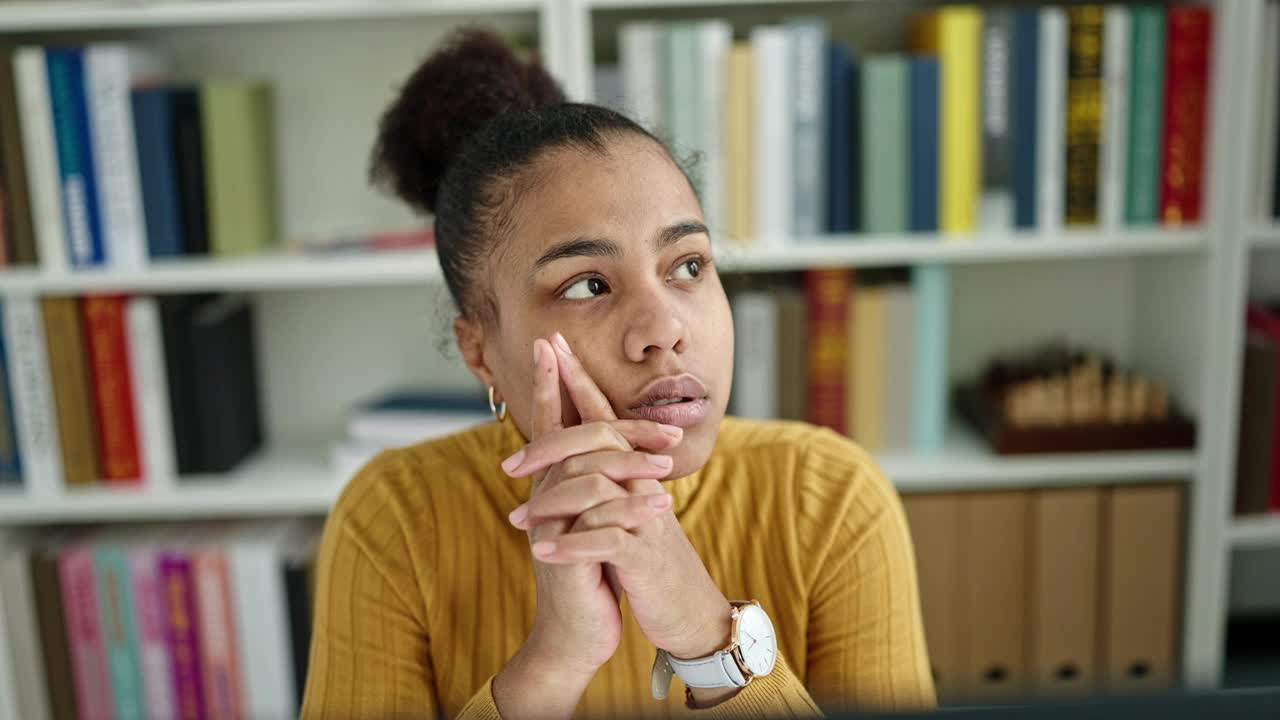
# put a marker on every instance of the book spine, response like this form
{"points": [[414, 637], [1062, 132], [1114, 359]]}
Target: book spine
{"points": [[10, 459], [31, 75], [153, 651], [884, 144], [72, 394], [33, 400], [839, 139], [261, 612], [182, 634], [1115, 116], [1051, 155], [1266, 130], [84, 634], [154, 127], [932, 284], [65, 67], [806, 48], [119, 630], [217, 634], [827, 293], [1025, 116], [997, 69], [189, 150], [924, 144], [959, 51], [739, 161], [1084, 112], [639, 45], [755, 316], [682, 86], [1186, 90], [1146, 92], [714, 39], [866, 367], [773, 185], [113, 393], [150, 391], [14, 187]]}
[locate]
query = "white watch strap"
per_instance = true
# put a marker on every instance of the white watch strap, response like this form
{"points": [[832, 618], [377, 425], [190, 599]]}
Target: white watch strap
{"points": [[717, 670]]}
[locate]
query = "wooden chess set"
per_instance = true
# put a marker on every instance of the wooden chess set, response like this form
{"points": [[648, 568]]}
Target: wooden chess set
{"points": [[1056, 400]]}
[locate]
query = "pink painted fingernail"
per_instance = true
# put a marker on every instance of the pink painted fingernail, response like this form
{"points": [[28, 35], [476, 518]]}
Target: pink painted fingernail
{"points": [[544, 548], [671, 430], [561, 343], [510, 464], [537, 353], [660, 502], [662, 461], [518, 515]]}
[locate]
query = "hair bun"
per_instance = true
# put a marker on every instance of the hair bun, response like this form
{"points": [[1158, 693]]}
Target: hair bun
{"points": [[473, 78]]}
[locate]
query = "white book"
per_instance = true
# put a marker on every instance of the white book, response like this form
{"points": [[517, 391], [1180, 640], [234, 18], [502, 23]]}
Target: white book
{"points": [[772, 136], [150, 392], [755, 355], [714, 39], [639, 48], [111, 70], [255, 561], [1052, 138], [1115, 117], [394, 429], [807, 79], [22, 677], [154, 659], [35, 115], [1268, 99], [31, 388]]}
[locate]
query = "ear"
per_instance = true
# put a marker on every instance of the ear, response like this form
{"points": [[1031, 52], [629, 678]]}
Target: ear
{"points": [[470, 336]]}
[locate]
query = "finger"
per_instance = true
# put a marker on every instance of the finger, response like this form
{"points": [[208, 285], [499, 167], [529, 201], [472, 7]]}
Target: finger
{"points": [[546, 391], [609, 544], [566, 500], [627, 513], [619, 465], [592, 405], [592, 437]]}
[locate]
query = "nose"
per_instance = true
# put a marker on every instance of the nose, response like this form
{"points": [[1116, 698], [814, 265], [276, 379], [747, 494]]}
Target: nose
{"points": [[654, 325]]}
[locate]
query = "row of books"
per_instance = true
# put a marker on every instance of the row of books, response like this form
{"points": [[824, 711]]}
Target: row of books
{"points": [[106, 161], [862, 352], [1050, 592], [125, 390], [1258, 445], [996, 119], [190, 622]]}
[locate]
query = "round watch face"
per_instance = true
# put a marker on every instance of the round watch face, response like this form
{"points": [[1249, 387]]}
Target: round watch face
{"points": [[756, 640]]}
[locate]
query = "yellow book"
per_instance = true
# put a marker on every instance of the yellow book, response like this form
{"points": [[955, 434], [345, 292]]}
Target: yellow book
{"points": [[738, 131], [955, 35], [866, 367]]}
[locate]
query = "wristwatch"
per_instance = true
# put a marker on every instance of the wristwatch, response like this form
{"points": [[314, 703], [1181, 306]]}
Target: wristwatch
{"points": [[752, 652]]}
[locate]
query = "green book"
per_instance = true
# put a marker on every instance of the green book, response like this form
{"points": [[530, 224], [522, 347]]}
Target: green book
{"points": [[1146, 115], [885, 162], [682, 96], [119, 630], [239, 166]]}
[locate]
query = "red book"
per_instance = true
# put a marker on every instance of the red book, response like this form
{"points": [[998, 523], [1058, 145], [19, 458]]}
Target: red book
{"points": [[112, 389], [827, 293], [1186, 93], [1264, 321]]}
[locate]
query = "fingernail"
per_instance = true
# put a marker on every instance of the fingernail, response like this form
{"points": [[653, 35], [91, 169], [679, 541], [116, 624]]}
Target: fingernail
{"points": [[544, 548], [561, 343], [510, 464], [537, 353], [660, 502], [671, 430], [518, 515], [662, 461]]}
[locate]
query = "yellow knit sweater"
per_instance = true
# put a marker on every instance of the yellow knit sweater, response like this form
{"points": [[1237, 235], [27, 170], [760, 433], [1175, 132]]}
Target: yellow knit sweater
{"points": [[425, 590]]}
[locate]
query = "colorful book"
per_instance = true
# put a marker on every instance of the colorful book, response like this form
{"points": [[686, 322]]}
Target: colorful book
{"points": [[76, 166], [118, 612], [885, 160], [72, 391], [773, 168], [806, 61], [739, 161], [219, 647], [31, 75], [109, 365], [33, 402], [923, 145], [1024, 116], [1186, 95], [997, 110], [1084, 116], [153, 650], [182, 633], [236, 120], [1146, 127], [827, 292], [93, 684], [840, 139]]}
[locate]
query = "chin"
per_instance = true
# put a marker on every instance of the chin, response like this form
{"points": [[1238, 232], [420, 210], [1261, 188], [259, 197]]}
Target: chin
{"points": [[691, 454]]}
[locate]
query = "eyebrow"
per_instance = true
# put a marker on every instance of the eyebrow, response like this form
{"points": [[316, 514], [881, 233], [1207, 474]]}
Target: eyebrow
{"points": [[604, 247]]}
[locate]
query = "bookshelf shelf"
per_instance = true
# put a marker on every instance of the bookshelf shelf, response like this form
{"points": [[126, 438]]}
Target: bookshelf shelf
{"points": [[1254, 531], [1265, 236], [30, 16], [399, 268]]}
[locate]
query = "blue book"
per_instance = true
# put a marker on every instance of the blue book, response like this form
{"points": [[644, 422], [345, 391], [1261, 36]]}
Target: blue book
{"points": [[932, 286], [922, 211], [1025, 117], [75, 156], [154, 125], [839, 140], [413, 400], [10, 458], [854, 199]]}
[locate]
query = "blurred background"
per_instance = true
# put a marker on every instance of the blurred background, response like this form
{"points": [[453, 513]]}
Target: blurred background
{"points": [[1026, 254]]}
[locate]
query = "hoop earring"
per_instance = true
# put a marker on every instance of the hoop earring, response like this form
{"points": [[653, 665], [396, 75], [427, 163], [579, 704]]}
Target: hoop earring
{"points": [[499, 410]]}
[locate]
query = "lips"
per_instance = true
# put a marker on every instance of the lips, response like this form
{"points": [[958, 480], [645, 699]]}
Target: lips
{"points": [[680, 400]]}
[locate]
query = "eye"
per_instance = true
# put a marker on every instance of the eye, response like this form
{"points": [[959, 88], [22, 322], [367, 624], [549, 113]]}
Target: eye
{"points": [[586, 288], [688, 270]]}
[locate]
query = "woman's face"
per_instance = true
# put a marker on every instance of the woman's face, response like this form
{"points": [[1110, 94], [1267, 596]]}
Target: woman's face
{"points": [[610, 250]]}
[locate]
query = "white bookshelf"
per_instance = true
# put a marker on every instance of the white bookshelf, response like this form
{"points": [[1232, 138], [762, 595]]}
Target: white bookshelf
{"points": [[1254, 531]]}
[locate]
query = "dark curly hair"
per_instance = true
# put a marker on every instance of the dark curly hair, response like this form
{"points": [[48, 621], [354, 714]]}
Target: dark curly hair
{"points": [[458, 142]]}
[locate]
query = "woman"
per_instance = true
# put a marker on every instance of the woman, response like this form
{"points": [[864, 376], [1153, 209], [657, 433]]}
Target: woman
{"points": [[533, 567]]}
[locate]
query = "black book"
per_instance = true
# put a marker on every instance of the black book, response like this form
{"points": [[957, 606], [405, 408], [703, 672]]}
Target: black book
{"points": [[189, 154], [226, 391], [299, 595]]}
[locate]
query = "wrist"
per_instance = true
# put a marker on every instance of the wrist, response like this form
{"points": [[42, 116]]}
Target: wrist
{"points": [[711, 636], [538, 684]]}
